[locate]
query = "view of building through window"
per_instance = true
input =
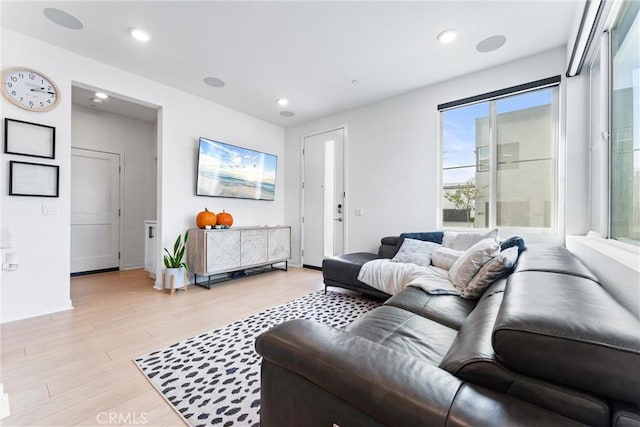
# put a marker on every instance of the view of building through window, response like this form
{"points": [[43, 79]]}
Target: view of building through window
{"points": [[507, 179], [625, 126]]}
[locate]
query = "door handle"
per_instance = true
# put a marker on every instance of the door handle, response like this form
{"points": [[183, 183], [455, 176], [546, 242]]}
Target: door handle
{"points": [[151, 236], [338, 219]]}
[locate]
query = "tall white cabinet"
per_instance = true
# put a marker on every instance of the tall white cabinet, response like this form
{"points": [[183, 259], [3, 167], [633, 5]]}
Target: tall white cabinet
{"points": [[212, 252]]}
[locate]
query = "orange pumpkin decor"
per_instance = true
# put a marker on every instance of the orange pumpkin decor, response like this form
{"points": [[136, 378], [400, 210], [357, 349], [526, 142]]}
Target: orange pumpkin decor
{"points": [[225, 218], [205, 218]]}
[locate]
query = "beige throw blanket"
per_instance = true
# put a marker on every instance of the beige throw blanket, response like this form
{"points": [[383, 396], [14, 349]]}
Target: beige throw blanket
{"points": [[392, 277]]}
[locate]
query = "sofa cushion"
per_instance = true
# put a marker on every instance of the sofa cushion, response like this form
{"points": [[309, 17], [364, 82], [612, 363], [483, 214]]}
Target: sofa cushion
{"points": [[554, 259], [468, 265], [405, 332], [444, 258], [415, 252], [463, 240], [449, 310], [471, 358], [343, 271], [500, 266], [569, 330]]}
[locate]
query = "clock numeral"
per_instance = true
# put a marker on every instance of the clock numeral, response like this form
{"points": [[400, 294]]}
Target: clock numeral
{"points": [[21, 98], [13, 79], [20, 75], [9, 84], [41, 104], [48, 101], [32, 76], [48, 87], [30, 103], [13, 93], [52, 95]]}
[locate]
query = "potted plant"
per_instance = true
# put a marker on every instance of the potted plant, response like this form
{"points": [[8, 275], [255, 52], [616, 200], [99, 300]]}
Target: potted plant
{"points": [[175, 267]]}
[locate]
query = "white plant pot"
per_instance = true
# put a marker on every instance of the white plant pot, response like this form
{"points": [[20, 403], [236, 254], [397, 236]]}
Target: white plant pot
{"points": [[178, 275]]}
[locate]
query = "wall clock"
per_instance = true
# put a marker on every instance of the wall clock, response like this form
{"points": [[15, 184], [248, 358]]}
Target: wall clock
{"points": [[30, 89]]}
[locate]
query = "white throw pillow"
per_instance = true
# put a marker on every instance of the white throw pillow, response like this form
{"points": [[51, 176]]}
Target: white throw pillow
{"points": [[461, 241], [472, 261], [415, 252], [444, 258], [496, 268]]}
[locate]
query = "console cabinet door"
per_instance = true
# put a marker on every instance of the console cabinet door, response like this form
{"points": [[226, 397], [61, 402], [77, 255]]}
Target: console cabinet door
{"points": [[279, 244], [254, 247], [223, 250]]}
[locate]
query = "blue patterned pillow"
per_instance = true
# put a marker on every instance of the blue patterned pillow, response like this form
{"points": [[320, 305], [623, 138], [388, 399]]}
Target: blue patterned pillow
{"points": [[429, 236], [516, 241]]}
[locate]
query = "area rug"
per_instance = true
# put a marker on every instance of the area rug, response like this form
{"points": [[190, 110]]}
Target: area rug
{"points": [[213, 379]]}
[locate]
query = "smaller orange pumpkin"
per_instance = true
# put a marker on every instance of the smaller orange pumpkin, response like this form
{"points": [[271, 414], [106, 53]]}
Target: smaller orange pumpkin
{"points": [[225, 218], [205, 218]]}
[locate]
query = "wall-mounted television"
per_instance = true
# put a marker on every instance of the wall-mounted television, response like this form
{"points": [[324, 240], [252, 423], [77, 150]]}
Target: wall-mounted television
{"points": [[225, 170]]}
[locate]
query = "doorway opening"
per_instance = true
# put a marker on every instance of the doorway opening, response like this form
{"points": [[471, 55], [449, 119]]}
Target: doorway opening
{"points": [[323, 187], [113, 181]]}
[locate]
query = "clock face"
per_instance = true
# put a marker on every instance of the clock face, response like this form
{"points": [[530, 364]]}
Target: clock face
{"points": [[30, 89]]}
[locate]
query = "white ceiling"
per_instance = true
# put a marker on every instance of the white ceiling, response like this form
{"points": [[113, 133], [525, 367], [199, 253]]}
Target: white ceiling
{"points": [[308, 52]]}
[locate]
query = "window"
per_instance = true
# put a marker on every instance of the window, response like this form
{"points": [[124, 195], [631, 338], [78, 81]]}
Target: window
{"points": [[625, 126], [614, 77], [499, 161]]}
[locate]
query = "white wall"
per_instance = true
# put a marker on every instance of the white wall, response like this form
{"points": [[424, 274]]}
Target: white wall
{"points": [[135, 141], [392, 154], [41, 285]]}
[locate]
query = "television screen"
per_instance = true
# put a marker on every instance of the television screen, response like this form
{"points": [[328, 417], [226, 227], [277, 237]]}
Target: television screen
{"points": [[225, 170]]}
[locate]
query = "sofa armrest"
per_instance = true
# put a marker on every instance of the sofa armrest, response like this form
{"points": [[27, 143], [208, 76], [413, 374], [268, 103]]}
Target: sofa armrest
{"points": [[376, 380]]}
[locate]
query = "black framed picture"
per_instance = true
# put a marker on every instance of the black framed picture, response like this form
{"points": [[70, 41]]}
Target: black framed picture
{"points": [[33, 179], [29, 139]]}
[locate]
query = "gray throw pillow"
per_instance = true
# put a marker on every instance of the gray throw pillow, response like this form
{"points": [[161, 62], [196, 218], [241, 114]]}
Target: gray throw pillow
{"points": [[444, 258], [500, 266], [472, 261], [415, 252], [463, 240]]}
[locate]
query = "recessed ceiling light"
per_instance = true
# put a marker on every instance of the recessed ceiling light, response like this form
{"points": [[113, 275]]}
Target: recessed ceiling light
{"points": [[214, 82], [283, 102], [101, 95], [447, 36], [491, 43], [140, 35], [62, 18], [287, 113], [96, 101]]}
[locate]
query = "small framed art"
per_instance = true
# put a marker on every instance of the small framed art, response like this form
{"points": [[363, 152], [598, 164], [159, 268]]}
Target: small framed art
{"points": [[33, 179], [29, 139]]}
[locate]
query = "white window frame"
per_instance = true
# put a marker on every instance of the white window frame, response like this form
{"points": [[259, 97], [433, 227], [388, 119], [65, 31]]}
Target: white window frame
{"points": [[602, 45], [556, 227]]}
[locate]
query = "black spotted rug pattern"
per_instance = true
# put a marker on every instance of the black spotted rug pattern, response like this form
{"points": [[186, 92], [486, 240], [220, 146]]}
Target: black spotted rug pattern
{"points": [[213, 379]]}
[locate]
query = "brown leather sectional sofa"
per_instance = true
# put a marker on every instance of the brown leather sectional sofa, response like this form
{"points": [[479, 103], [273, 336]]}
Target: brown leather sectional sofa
{"points": [[546, 346]]}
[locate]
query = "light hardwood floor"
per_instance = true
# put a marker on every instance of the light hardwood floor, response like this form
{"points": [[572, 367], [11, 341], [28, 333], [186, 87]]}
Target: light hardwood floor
{"points": [[70, 368]]}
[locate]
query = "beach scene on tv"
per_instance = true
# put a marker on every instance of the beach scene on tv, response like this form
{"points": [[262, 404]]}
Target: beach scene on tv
{"points": [[226, 170]]}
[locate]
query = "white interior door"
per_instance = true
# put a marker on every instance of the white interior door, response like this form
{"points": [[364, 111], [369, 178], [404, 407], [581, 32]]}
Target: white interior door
{"points": [[95, 210], [324, 197]]}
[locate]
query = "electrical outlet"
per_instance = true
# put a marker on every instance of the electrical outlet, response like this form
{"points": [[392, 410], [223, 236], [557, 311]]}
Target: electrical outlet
{"points": [[50, 208]]}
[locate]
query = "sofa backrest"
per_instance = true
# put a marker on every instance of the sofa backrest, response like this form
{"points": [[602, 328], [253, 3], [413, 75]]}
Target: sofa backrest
{"points": [[567, 329]]}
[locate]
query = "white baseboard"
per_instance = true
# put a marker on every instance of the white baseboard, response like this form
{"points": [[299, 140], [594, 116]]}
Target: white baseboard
{"points": [[41, 311]]}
